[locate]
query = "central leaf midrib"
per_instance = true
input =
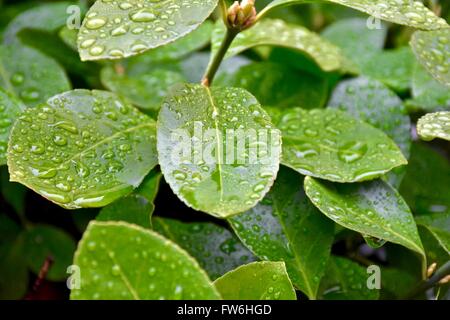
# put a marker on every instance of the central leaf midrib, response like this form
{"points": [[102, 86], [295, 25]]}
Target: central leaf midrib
{"points": [[219, 146]]}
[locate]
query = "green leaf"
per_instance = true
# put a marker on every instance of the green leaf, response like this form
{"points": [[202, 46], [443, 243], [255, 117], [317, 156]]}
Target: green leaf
{"points": [[331, 145], [180, 48], [346, 280], [47, 17], [155, 268], [439, 226], [434, 125], [13, 269], [356, 40], [427, 93], [216, 249], [42, 242], [257, 281], [432, 49], [396, 283], [436, 250], [371, 208], [274, 32], [405, 12], [393, 67], [69, 37], [427, 172], [10, 109], [133, 209], [136, 26], [217, 178], [274, 84], [150, 186], [370, 101], [30, 75], [82, 148], [286, 227], [146, 91], [13, 193]]}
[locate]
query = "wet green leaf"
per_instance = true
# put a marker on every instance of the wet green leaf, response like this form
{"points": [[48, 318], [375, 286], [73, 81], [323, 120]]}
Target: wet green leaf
{"points": [[257, 281], [47, 17], [30, 75], [13, 268], [356, 40], [371, 208], [439, 226], [82, 148], [42, 242], [405, 12], [155, 268], [330, 144], [271, 32], [274, 84], [133, 208], [426, 168], [197, 39], [205, 171], [146, 91], [432, 49], [346, 280], [427, 93], [393, 67], [216, 249], [286, 227], [10, 109], [135, 26], [370, 101], [434, 125]]}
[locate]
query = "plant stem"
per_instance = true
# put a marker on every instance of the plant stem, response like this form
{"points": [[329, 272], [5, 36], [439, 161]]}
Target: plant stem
{"points": [[217, 59], [441, 273]]}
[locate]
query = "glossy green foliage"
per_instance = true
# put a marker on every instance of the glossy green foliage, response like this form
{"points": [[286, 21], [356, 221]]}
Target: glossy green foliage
{"points": [[10, 109], [285, 226], [370, 101], [30, 75], [256, 281], [45, 242], [278, 33], [427, 93], [426, 168], [109, 272], [371, 208], [274, 84], [192, 137], [330, 144], [434, 125], [216, 249], [432, 49], [82, 148], [438, 224], [406, 12], [346, 280], [132, 27]]}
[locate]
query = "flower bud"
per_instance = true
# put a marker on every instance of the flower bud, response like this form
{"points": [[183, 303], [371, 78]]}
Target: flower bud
{"points": [[241, 15]]}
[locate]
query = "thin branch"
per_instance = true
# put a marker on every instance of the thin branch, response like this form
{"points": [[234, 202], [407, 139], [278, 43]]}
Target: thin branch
{"points": [[434, 280]]}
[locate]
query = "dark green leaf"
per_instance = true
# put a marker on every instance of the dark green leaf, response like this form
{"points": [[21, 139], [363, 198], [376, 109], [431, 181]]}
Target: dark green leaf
{"points": [[42, 242], [216, 178], [82, 149], [286, 227], [330, 144], [346, 280], [274, 84], [133, 208], [257, 281], [371, 208], [215, 248], [155, 268], [438, 224]]}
